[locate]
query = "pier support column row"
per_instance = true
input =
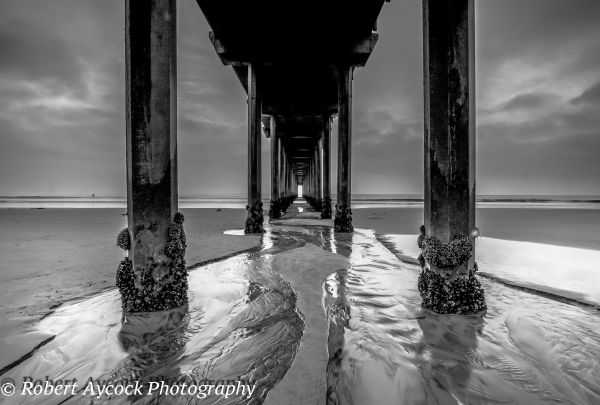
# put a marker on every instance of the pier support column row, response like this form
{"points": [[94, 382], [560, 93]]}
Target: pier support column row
{"points": [[275, 209], [447, 283], [153, 277], [286, 191], [326, 205], [294, 190], [343, 213], [283, 169], [319, 176], [314, 195], [254, 220]]}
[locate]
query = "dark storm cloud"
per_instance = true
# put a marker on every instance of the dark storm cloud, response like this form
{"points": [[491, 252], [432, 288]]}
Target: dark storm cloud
{"points": [[62, 120]]}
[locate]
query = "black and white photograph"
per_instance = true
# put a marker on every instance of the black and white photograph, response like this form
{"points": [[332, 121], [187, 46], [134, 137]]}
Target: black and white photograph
{"points": [[359, 202]]}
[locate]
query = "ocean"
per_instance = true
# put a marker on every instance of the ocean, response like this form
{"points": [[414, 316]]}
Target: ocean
{"points": [[358, 201]]}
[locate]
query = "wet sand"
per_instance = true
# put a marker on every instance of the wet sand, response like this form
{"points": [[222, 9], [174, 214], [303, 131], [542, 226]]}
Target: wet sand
{"points": [[52, 256], [312, 315], [316, 317], [579, 228], [564, 272]]}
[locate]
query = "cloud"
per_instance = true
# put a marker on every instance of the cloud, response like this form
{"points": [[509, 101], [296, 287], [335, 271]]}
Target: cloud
{"points": [[526, 102], [62, 115], [559, 164], [590, 96], [41, 57]]}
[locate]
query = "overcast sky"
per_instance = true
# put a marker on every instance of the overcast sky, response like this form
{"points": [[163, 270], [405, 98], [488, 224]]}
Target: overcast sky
{"points": [[62, 116]]}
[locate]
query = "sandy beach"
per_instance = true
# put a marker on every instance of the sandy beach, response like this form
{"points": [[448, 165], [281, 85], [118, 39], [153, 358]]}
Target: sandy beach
{"points": [[51, 256], [578, 228], [57, 279]]}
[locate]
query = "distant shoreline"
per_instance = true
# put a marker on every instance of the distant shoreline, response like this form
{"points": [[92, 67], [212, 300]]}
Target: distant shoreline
{"points": [[359, 197], [359, 201]]}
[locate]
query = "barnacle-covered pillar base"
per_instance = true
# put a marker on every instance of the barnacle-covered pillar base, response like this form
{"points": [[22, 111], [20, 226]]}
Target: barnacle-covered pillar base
{"points": [[463, 296], [326, 209], [274, 210], [315, 203], [447, 282], [144, 291], [286, 202], [343, 219], [152, 277], [254, 221]]}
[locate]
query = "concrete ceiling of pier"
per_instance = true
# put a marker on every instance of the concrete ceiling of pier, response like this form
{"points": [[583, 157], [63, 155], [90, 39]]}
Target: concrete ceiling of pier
{"points": [[299, 47]]}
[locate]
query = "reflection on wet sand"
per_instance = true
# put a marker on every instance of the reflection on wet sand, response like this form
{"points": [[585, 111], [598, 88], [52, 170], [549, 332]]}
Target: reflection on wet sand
{"points": [[241, 323], [448, 347], [338, 316], [318, 317], [151, 340], [383, 348]]}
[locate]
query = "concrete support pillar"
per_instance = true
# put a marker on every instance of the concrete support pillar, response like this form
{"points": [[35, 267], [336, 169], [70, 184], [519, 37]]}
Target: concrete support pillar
{"points": [[153, 278], [319, 157], [275, 210], [285, 179], [290, 181], [318, 201], [343, 213], [326, 208], [281, 169], [448, 283], [254, 221], [309, 182], [286, 169], [307, 179], [313, 180]]}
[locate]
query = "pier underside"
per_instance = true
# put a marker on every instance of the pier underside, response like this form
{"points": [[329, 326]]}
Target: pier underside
{"points": [[302, 59], [296, 64]]}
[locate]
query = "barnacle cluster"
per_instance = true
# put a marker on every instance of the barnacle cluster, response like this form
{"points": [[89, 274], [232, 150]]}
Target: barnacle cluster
{"points": [[157, 295], [314, 202], [440, 254], [326, 208], [274, 210], [439, 292], [123, 239], [343, 219], [286, 202], [463, 295], [254, 221]]}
